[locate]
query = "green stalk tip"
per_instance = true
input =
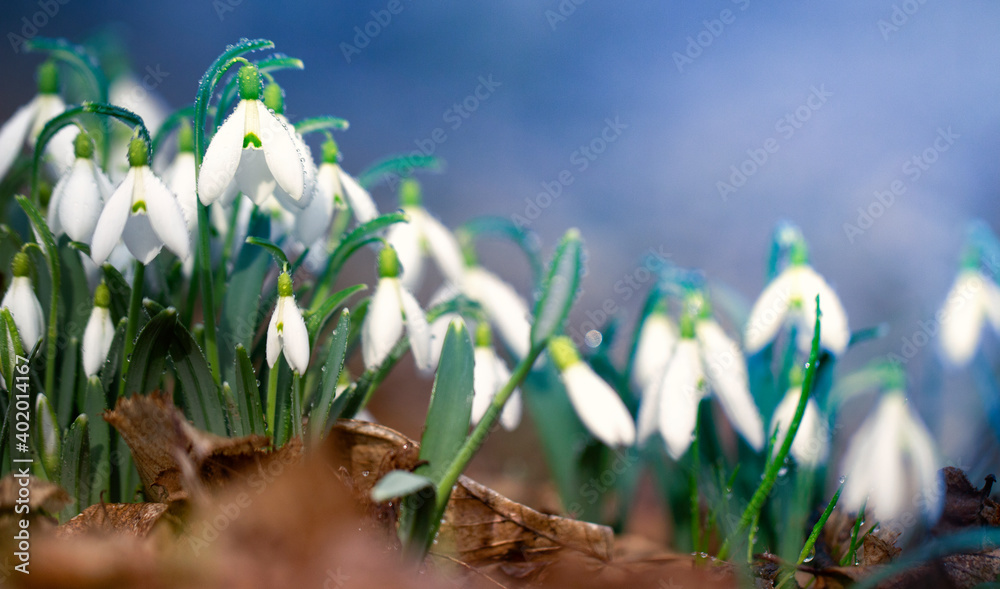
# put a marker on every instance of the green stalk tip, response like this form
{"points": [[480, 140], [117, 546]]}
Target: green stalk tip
{"points": [[102, 296], [285, 285], [83, 146], [48, 78], [249, 82], [274, 98], [21, 265], [185, 137], [138, 153], [484, 335], [388, 263], [330, 151], [409, 193]]}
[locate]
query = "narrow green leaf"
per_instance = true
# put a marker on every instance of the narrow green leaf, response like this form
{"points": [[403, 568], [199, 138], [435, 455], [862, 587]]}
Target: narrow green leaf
{"points": [[560, 288], [121, 292], [399, 483], [237, 428], [398, 166], [100, 442], [112, 366], [241, 306], [75, 475], [201, 396], [149, 355], [451, 403], [272, 248], [334, 364], [324, 123], [248, 394], [316, 320], [48, 437], [206, 87], [65, 395]]}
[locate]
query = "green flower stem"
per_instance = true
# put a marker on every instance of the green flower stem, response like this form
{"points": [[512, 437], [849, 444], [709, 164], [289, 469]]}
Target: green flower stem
{"points": [[296, 405], [752, 511], [134, 308], [272, 400], [52, 258], [848, 558], [693, 488], [814, 535], [481, 431]]}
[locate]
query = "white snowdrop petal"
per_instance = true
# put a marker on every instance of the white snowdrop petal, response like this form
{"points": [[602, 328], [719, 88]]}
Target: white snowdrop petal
{"points": [[444, 249], [657, 339], [80, 201], [962, 317], [769, 312], [484, 381], [811, 444], [180, 179], [383, 324], [679, 396], [61, 150], [285, 161], [835, 334], [417, 330], [992, 303], [924, 461], [312, 223], [504, 307], [140, 238], [598, 406], [727, 374], [111, 223], [358, 198], [222, 158], [510, 417], [405, 239], [48, 107], [294, 336], [25, 309], [97, 338], [649, 413], [14, 133], [253, 177], [165, 215], [273, 337]]}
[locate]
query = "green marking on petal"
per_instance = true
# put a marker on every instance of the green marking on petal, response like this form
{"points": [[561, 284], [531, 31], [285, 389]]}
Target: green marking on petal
{"points": [[251, 139], [139, 206], [280, 326]]}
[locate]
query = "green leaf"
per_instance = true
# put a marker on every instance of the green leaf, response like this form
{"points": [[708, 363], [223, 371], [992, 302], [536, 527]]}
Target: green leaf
{"points": [[206, 87], [170, 123], [334, 364], [121, 292], [48, 437], [241, 301], [76, 298], [362, 235], [66, 393], [237, 428], [400, 483], [201, 396], [315, 320], [398, 166], [149, 355], [99, 440], [279, 255], [77, 57], [316, 124], [560, 288], [75, 475], [247, 394], [112, 366], [451, 403]]}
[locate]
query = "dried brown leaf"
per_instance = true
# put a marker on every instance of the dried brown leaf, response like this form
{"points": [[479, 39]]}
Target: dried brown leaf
{"points": [[127, 519]]}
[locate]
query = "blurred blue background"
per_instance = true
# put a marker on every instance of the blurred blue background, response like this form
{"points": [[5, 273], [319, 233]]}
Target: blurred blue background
{"points": [[844, 95]]}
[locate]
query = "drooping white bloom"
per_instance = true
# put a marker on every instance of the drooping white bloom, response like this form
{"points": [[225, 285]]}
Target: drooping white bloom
{"points": [[287, 333], [335, 189], [597, 404], [254, 150], [180, 176], [811, 445], [24, 307], [489, 376], [142, 212], [24, 126], [891, 460], [99, 333], [390, 308], [704, 360], [78, 197], [791, 297], [423, 235], [973, 300], [657, 339], [506, 310]]}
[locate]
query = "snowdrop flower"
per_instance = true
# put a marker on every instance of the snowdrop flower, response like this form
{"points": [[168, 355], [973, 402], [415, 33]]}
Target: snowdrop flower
{"points": [[79, 196], [180, 176], [812, 440], [274, 102], [973, 300], [657, 339], [335, 190], [505, 309], [704, 358], [489, 376], [596, 403], [27, 122], [892, 462], [391, 306], [287, 333], [142, 212], [791, 296], [24, 307], [254, 150], [422, 235], [99, 333]]}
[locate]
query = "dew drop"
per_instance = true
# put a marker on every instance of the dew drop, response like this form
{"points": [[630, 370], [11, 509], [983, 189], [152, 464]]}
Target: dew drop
{"points": [[365, 473], [842, 479], [593, 338]]}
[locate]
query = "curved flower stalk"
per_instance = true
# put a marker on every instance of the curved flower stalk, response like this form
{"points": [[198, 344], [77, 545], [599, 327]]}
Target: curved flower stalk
{"points": [[489, 376], [99, 333], [335, 191], [79, 196], [286, 333], [891, 462], [24, 307], [423, 235], [390, 308], [180, 175], [27, 122], [811, 445], [505, 309], [597, 404], [791, 297], [974, 300], [142, 212], [704, 359], [252, 150], [656, 343]]}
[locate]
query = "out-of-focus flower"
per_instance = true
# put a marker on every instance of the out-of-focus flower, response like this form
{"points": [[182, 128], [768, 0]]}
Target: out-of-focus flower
{"points": [[489, 376], [142, 212], [596, 403], [791, 297], [973, 300], [423, 235], [390, 308], [287, 333], [180, 175], [24, 126], [24, 307], [657, 339], [78, 197], [812, 441], [505, 309], [99, 333]]}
